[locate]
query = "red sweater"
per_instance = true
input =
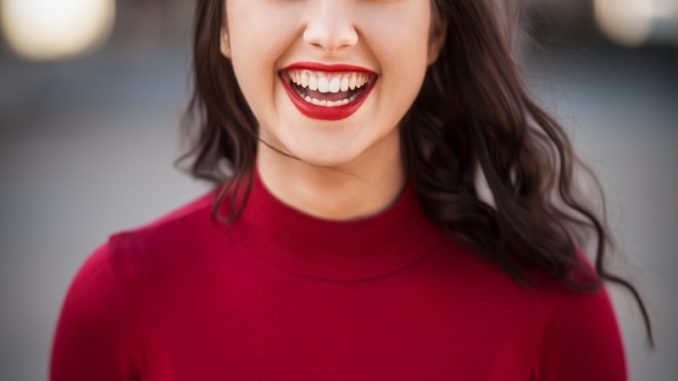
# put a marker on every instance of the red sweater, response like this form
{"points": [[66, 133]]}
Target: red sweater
{"points": [[287, 296]]}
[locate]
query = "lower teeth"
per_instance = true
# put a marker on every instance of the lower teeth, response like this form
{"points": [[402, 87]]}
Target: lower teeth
{"points": [[326, 103]]}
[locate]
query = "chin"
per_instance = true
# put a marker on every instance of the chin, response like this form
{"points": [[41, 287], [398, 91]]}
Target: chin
{"points": [[324, 157]]}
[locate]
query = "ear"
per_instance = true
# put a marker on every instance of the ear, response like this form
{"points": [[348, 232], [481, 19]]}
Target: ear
{"points": [[225, 43], [436, 40]]}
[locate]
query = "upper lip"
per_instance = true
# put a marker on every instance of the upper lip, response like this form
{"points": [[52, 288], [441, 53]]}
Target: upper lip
{"points": [[317, 66]]}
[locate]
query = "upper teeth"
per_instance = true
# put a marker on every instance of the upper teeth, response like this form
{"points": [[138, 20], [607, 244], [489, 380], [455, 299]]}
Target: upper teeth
{"points": [[328, 82]]}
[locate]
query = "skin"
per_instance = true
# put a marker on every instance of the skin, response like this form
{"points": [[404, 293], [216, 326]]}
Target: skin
{"points": [[350, 168]]}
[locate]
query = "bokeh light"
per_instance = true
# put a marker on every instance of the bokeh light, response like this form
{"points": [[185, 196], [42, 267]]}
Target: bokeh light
{"points": [[635, 22], [627, 22], [56, 29]]}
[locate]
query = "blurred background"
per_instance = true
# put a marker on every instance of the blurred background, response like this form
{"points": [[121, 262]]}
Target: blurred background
{"points": [[91, 95]]}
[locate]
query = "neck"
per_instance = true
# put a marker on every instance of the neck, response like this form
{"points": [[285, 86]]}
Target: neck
{"points": [[364, 186]]}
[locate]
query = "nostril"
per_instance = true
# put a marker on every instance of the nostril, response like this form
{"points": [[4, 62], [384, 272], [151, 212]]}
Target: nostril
{"points": [[330, 36]]}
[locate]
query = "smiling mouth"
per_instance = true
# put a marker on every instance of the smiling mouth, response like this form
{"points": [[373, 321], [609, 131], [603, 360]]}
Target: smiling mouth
{"points": [[330, 90]]}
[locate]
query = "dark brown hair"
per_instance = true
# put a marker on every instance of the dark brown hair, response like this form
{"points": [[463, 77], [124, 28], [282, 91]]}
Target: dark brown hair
{"points": [[473, 117]]}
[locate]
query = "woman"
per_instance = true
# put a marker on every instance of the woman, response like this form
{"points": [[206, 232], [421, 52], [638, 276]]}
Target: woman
{"points": [[348, 237]]}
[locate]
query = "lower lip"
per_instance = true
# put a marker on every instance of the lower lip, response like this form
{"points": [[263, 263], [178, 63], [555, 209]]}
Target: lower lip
{"points": [[326, 113]]}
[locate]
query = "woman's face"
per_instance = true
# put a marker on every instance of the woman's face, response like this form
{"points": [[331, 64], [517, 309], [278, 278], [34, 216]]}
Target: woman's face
{"points": [[329, 115]]}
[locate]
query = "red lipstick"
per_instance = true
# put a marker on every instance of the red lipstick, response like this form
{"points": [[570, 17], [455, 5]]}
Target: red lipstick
{"points": [[317, 66], [323, 112]]}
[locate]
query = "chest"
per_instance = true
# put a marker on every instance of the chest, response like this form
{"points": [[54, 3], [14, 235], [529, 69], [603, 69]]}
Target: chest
{"points": [[320, 333]]}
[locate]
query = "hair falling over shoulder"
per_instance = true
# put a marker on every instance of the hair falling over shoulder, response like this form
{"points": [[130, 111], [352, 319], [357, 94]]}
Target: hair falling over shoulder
{"points": [[473, 118]]}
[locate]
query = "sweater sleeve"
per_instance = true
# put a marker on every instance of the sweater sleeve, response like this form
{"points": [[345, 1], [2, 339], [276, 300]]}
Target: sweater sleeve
{"points": [[90, 340], [582, 340]]}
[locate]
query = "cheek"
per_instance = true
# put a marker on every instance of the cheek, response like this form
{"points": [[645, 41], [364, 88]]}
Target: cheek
{"points": [[401, 27], [401, 52], [403, 66], [258, 35]]}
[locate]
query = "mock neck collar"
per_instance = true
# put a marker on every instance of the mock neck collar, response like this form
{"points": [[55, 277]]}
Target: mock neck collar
{"points": [[340, 250]]}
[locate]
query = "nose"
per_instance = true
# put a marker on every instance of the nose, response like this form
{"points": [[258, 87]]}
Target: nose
{"points": [[330, 27]]}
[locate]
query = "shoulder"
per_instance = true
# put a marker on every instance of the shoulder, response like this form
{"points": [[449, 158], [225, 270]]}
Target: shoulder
{"points": [[571, 334], [164, 244], [98, 289], [176, 221], [581, 338], [94, 290], [93, 338]]}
